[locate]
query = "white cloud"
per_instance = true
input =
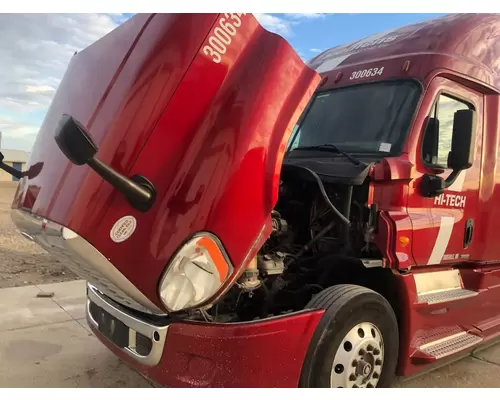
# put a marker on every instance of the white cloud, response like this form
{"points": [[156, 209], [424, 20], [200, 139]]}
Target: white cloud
{"points": [[283, 25], [306, 16], [275, 24], [39, 89], [315, 50], [17, 135], [35, 50]]}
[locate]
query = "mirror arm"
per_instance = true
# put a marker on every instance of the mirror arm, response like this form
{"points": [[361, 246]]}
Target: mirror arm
{"points": [[452, 178], [11, 170], [138, 190]]}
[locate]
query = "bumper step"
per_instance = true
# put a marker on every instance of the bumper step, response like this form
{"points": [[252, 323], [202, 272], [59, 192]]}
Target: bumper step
{"points": [[445, 347], [443, 296]]}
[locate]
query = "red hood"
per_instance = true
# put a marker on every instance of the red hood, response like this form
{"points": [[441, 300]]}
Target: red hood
{"points": [[210, 136]]}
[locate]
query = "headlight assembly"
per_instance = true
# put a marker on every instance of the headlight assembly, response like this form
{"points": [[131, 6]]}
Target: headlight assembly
{"points": [[195, 274]]}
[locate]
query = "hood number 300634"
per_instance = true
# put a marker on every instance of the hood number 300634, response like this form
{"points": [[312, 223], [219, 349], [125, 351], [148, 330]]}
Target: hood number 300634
{"points": [[222, 36]]}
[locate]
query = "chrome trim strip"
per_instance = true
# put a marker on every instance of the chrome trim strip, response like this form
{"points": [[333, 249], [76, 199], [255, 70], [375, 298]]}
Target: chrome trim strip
{"points": [[83, 259], [134, 324]]}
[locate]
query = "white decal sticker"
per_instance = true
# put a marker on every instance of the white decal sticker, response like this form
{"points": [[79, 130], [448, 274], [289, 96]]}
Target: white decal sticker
{"points": [[366, 73], [402, 257], [442, 240], [385, 147], [123, 229], [222, 36], [331, 64], [450, 200], [450, 257]]}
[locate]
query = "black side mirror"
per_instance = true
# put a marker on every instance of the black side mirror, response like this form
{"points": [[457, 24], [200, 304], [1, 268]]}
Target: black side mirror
{"points": [[74, 141], [461, 155], [432, 185], [77, 145]]}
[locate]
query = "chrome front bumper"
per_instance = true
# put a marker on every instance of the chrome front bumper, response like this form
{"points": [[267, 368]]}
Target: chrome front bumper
{"points": [[100, 308], [83, 259]]}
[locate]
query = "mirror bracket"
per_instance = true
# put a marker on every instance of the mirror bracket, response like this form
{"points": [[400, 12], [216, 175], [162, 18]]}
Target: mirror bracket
{"points": [[432, 185], [452, 178], [77, 145], [10, 170]]}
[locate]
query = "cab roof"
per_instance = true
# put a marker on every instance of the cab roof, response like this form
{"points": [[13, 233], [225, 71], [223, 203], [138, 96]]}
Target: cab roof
{"points": [[474, 38]]}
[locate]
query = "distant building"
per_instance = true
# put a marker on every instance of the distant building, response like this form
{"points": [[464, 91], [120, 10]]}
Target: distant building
{"points": [[14, 158]]}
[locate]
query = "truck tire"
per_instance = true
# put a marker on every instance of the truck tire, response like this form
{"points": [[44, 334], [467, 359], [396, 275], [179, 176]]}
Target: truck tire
{"points": [[356, 342]]}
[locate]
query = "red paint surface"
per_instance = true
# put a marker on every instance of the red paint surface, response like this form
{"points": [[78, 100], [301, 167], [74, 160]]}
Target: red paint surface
{"points": [[206, 135], [267, 353]]}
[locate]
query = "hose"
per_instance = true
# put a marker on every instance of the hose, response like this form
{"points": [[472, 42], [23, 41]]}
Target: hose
{"points": [[325, 196]]}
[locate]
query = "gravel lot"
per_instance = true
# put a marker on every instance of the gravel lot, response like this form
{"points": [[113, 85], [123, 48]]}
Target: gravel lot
{"points": [[21, 261]]}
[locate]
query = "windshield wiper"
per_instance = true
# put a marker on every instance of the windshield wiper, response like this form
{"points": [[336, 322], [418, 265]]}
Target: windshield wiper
{"points": [[330, 147]]}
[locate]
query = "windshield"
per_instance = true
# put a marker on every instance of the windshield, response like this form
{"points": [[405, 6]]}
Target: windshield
{"points": [[367, 118]]}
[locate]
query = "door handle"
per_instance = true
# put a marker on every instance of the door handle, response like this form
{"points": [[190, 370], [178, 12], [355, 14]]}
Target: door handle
{"points": [[469, 230]]}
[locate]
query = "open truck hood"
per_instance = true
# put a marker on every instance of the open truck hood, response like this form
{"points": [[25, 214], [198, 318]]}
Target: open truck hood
{"points": [[208, 129]]}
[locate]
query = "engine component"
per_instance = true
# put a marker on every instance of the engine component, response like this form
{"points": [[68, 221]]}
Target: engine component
{"points": [[325, 196], [271, 264], [249, 280], [280, 226]]}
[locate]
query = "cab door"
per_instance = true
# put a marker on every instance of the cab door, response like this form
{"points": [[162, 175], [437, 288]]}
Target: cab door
{"points": [[444, 226]]}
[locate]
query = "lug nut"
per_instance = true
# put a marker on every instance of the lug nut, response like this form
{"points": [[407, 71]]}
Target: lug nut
{"points": [[369, 385], [362, 352], [352, 377], [354, 363], [369, 348], [355, 386], [375, 375], [376, 352], [378, 361]]}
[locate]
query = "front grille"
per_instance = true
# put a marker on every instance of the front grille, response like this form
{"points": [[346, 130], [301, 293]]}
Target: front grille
{"points": [[111, 327], [143, 344], [136, 335], [120, 334]]}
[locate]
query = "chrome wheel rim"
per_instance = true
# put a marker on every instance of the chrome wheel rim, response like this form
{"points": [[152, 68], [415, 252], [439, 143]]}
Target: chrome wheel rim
{"points": [[359, 359]]}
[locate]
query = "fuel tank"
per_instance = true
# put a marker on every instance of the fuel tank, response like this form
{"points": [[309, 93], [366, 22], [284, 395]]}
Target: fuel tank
{"points": [[202, 105]]}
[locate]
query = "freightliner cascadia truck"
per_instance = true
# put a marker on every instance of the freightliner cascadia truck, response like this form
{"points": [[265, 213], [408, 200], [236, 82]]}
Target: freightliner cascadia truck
{"points": [[245, 219]]}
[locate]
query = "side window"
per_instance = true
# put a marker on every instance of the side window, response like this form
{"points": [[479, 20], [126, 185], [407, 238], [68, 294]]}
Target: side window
{"points": [[439, 130]]}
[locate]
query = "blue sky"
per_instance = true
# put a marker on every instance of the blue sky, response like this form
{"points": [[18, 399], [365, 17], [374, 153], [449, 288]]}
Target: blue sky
{"points": [[35, 50], [332, 30]]}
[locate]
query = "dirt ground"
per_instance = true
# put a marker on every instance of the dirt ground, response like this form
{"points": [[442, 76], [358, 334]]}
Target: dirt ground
{"points": [[23, 262]]}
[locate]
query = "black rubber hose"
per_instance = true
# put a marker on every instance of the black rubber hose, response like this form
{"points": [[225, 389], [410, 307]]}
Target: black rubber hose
{"points": [[323, 232], [325, 196]]}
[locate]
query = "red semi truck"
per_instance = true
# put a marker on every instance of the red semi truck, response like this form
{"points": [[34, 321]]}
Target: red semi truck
{"points": [[246, 220]]}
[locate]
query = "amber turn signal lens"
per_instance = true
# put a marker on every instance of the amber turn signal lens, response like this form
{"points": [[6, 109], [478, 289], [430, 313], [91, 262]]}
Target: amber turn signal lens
{"points": [[404, 241]]}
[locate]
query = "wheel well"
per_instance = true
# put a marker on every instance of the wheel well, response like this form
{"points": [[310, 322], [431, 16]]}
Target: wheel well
{"points": [[347, 270]]}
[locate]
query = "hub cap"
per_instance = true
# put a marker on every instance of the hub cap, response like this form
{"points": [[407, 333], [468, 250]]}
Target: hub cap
{"points": [[359, 359]]}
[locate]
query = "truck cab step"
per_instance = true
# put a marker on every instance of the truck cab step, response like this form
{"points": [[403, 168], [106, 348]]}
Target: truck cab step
{"points": [[443, 296], [444, 347]]}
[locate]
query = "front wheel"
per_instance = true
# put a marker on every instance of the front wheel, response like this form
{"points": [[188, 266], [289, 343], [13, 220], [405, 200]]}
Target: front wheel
{"points": [[356, 342]]}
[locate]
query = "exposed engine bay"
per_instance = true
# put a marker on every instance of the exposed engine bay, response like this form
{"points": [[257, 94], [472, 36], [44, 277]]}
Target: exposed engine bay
{"points": [[321, 231]]}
